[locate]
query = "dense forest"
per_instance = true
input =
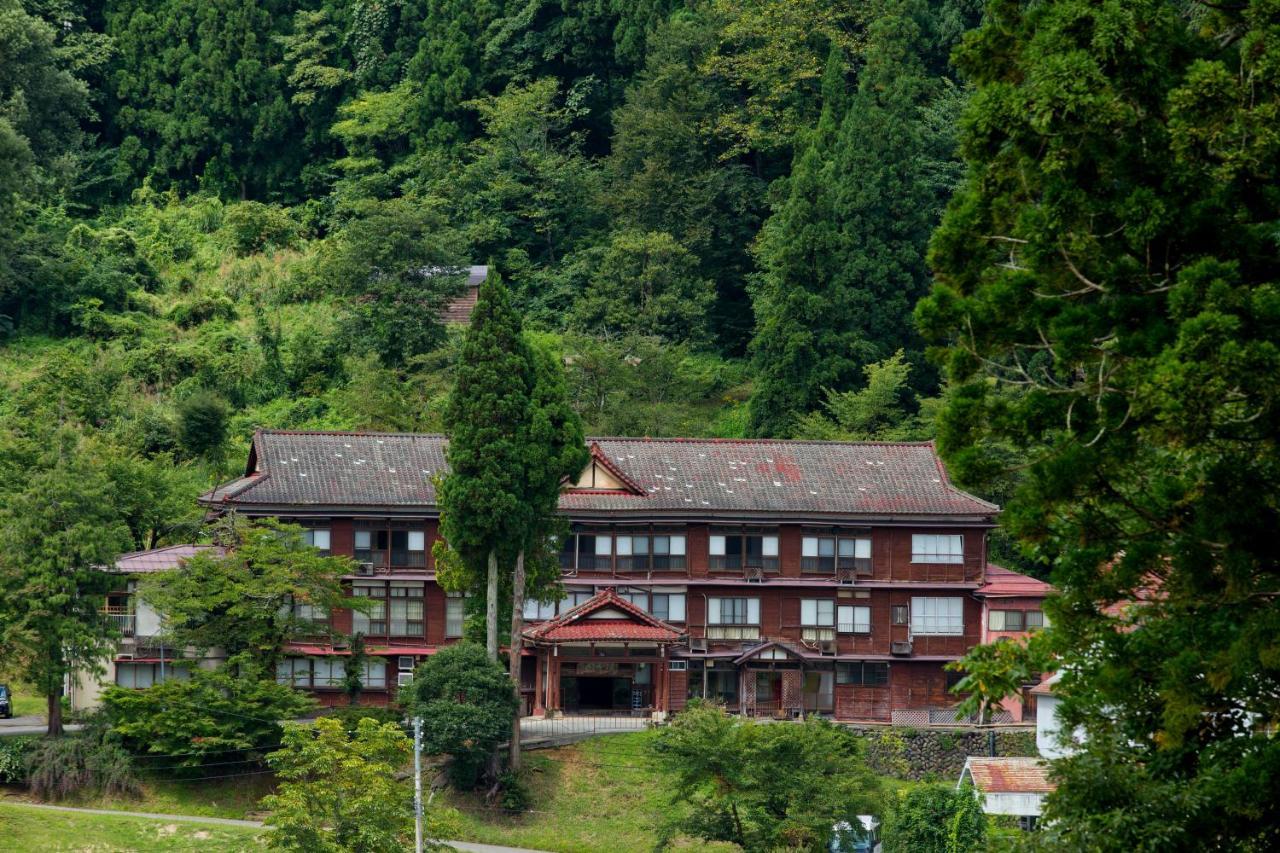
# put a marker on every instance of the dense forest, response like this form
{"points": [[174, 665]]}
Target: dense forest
{"points": [[221, 215]]}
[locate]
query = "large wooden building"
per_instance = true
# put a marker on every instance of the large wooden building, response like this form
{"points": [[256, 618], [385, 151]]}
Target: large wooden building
{"points": [[778, 577]]}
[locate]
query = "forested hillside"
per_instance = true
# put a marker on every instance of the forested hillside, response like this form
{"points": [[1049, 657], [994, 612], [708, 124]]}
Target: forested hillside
{"points": [[216, 215]]}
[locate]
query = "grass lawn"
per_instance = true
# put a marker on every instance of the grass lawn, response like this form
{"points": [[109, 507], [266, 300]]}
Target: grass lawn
{"points": [[602, 794], [25, 702], [234, 798], [26, 828]]}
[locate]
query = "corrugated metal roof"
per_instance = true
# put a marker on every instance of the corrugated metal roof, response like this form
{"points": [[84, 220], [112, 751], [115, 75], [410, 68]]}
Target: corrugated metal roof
{"points": [[161, 559], [1009, 775], [677, 476]]}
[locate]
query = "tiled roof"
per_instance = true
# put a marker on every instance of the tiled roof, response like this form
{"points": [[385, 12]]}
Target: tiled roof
{"points": [[679, 476], [1009, 775], [578, 624], [1003, 583], [161, 559], [1045, 687]]}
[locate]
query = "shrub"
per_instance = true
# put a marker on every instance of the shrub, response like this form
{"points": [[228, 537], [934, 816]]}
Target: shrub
{"points": [[467, 704], [515, 794], [87, 762], [13, 756], [253, 226], [202, 425], [936, 819], [351, 715]]}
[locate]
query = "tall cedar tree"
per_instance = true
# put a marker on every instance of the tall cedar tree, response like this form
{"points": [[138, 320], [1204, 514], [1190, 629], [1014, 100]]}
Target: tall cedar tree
{"points": [[843, 257], [1112, 260], [56, 537], [554, 448], [482, 509]]}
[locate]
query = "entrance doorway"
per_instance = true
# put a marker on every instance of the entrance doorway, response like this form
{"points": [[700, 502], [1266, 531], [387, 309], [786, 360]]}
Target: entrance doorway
{"points": [[595, 693]]}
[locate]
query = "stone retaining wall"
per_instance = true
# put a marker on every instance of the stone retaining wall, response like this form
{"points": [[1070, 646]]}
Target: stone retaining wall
{"points": [[939, 754]]}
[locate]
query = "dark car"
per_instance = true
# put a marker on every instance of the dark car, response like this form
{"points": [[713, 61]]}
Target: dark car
{"points": [[6, 704]]}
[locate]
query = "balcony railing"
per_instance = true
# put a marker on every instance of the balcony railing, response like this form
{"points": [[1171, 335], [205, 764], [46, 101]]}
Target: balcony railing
{"points": [[123, 620], [734, 562]]}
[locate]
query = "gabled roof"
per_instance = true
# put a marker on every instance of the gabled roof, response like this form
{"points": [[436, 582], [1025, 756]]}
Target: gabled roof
{"points": [[1008, 775], [604, 617], [754, 651], [162, 559], [672, 476], [1003, 583], [459, 310], [598, 457]]}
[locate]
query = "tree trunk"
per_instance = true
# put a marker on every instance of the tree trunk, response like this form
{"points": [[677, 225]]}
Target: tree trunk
{"points": [[54, 698], [491, 609], [517, 644]]}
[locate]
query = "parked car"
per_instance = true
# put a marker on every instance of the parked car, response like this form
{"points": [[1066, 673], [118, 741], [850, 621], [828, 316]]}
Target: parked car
{"points": [[6, 704], [865, 839]]}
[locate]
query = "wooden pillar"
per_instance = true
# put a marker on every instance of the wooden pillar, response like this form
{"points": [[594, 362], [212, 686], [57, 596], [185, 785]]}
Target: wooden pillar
{"points": [[538, 708]]}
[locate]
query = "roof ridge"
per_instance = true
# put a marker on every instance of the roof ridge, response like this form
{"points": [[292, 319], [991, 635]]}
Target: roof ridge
{"points": [[354, 432], [697, 440]]}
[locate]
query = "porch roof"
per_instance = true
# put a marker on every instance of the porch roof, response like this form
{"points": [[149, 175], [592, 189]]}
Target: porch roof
{"points": [[605, 617]]}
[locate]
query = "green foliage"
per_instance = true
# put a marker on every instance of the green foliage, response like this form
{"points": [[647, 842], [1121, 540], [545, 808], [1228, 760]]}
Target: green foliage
{"points": [[935, 819], [875, 412], [1106, 305], [351, 715], [88, 762], [242, 601], [764, 786], [56, 535], [466, 702], [338, 792], [253, 227], [13, 754], [202, 425], [235, 710]]}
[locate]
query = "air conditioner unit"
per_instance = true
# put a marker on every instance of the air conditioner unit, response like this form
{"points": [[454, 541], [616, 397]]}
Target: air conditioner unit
{"points": [[846, 576], [404, 678], [754, 574], [697, 644], [405, 663], [364, 569], [124, 656], [900, 648], [827, 647]]}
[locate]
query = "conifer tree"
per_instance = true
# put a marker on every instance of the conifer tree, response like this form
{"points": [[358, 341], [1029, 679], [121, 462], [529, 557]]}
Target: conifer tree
{"points": [[843, 257], [482, 513]]}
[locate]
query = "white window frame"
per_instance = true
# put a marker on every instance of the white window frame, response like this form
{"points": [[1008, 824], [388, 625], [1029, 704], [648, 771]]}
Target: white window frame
{"points": [[319, 538], [937, 548], [853, 619], [937, 616], [455, 614], [817, 612]]}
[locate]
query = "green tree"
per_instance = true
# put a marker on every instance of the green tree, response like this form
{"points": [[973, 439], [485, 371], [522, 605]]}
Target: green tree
{"points": [[646, 284], [202, 426], [57, 536], [243, 601], [843, 256], [936, 819], [235, 710], [339, 793], [761, 786], [155, 498], [466, 703], [395, 263], [1106, 303], [481, 498], [879, 411]]}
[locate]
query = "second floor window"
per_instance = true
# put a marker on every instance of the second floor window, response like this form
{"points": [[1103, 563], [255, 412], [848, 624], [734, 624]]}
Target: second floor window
{"points": [[1015, 620], [828, 553], [385, 548], [374, 620], [455, 613], [650, 552], [310, 613], [733, 618], [854, 619], [734, 551], [318, 538], [817, 619], [405, 609], [942, 617], [928, 548], [667, 606]]}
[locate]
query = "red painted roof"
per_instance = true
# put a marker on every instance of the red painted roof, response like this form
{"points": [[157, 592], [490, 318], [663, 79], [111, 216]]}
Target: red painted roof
{"points": [[1009, 775], [1003, 583], [162, 559], [577, 625], [1045, 687]]}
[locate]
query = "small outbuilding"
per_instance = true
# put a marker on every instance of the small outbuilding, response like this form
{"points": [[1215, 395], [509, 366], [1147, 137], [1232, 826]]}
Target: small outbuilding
{"points": [[1009, 786]]}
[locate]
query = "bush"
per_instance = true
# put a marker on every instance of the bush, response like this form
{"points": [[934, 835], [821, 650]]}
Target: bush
{"points": [[88, 762], [515, 795], [253, 226], [202, 425], [351, 715], [13, 756], [936, 819], [467, 704]]}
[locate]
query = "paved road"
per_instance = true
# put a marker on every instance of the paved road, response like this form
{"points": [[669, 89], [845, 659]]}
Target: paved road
{"points": [[468, 846], [31, 724]]}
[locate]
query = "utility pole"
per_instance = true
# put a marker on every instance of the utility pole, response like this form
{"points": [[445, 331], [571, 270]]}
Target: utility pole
{"points": [[417, 784]]}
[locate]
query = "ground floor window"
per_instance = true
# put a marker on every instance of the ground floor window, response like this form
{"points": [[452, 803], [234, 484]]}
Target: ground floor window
{"points": [[865, 674], [819, 691], [143, 675]]}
